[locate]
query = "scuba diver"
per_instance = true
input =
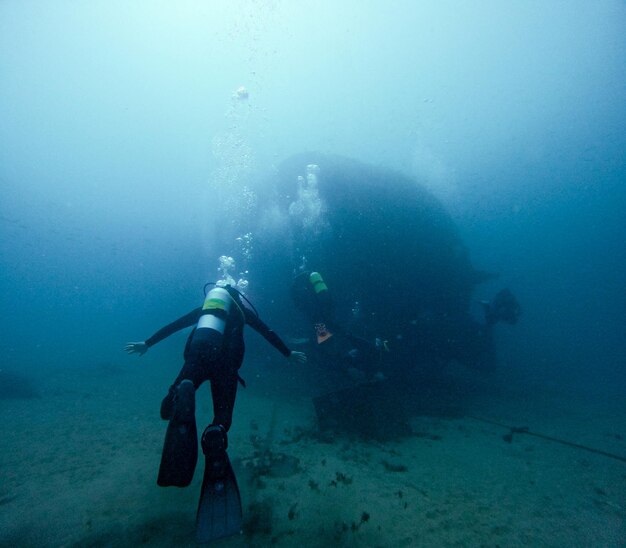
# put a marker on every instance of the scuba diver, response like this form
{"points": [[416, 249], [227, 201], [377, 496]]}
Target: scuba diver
{"points": [[503, 308], [364, 399], [214, 351], [359, 356]]}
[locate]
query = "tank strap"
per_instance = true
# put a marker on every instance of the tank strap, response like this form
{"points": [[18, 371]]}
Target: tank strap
{"points": [[243, 316]]}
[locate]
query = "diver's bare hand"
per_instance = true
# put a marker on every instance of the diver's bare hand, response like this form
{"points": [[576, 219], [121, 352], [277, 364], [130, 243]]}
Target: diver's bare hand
{"points": [[136, 348], [297, 357]]}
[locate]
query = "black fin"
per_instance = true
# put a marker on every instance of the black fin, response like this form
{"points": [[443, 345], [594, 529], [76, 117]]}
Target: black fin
{"points": [[219, 510], [180, 449]]}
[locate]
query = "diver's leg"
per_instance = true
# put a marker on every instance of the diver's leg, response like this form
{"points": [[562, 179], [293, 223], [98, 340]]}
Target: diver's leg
{"points": [[190, 371], [219, 510], [224, 392]]}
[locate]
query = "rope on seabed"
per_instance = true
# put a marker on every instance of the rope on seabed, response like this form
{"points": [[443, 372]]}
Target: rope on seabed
{"points": [[525, 430]]}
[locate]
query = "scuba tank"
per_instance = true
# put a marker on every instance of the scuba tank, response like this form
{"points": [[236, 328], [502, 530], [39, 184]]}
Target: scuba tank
{"points": [[209, 333], [316, 280]]}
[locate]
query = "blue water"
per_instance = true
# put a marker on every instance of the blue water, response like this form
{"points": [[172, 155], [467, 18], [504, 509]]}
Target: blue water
{"points": [[129, 163]]}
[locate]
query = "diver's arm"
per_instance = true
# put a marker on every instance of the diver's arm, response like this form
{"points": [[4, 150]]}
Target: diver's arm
{"points": [[185, 321], [272, 337]]}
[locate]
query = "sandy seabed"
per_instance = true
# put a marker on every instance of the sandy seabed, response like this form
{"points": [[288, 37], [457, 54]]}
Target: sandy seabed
{"points": [[78, 468]]}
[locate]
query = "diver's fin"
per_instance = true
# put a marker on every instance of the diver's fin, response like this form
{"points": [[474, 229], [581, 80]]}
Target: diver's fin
{"points": [[219, 510], [180, 449]]}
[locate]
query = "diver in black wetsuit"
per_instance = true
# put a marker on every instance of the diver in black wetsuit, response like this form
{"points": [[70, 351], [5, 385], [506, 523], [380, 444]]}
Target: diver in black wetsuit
{"points": [[214, 351], [336, 344]]}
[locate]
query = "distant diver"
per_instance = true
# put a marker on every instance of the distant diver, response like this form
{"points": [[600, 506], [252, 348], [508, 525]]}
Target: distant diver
{"points": [[214, 351], [367, 405], [502, 308], [335, 344]]}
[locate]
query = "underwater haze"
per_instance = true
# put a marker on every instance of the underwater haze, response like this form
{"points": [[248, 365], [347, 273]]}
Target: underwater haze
{"points": [[139, 139]]}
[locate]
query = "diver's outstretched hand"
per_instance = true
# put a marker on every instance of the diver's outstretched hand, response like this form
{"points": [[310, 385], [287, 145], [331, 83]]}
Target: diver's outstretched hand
{"points": [[297, 357], [136, 348]]}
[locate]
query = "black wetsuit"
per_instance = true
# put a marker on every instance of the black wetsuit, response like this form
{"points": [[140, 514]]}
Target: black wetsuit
{"points": [[222, 372], [343, 347]]}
